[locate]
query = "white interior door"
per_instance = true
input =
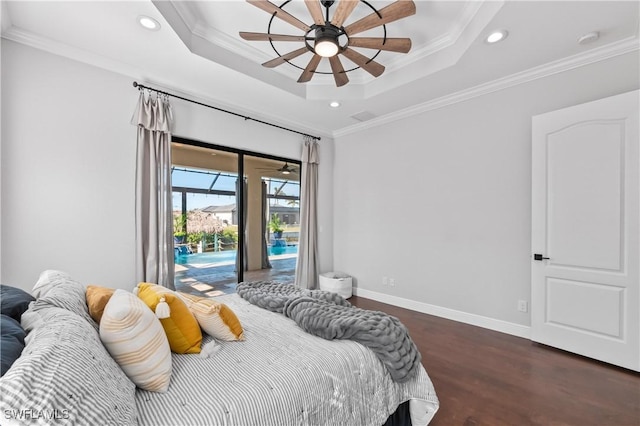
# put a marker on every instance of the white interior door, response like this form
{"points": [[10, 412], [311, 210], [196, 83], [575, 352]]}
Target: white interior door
{"points": [[585, 227]]}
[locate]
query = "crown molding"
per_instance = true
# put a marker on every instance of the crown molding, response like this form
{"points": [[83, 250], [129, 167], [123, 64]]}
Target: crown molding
{"points": [[144, 77], [620, 47], [611, 50], [30, 39], [185, 12], [445, 40], [442, 53]]}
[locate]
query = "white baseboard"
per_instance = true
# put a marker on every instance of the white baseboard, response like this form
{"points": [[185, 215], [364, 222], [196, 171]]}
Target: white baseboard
{"points": [[465, 317]]}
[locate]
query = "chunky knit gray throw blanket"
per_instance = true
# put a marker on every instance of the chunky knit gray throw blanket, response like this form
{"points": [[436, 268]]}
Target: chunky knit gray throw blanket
{"points": [[273, 295], [317, 313]]}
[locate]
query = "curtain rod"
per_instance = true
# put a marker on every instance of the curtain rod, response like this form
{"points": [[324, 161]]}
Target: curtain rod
{"points": [[141, 87]]}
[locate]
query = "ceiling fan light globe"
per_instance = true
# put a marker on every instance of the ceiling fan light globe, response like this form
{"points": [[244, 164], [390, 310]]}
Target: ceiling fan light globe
{"points": [[326, 48]]}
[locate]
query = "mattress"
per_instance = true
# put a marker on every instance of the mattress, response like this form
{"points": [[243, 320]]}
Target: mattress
{"points": [[280, 375]]}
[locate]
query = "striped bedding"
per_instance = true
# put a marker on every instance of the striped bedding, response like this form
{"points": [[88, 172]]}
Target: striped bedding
{"points": [[280, 375]]}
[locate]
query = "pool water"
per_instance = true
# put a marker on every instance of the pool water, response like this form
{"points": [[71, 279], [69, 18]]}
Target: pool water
{"points": [[226, 256]]}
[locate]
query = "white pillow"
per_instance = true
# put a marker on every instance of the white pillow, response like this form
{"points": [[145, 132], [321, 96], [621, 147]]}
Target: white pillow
{"points": [[136, 340], [215, 318]]}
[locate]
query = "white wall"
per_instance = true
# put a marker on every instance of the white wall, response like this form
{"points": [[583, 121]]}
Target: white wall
{"points": [[459, 175], [67, 170], [1, 154], [460, 178], [68, 167]]}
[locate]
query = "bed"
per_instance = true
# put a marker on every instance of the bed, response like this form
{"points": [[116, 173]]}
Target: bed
{"points": [[278, 375]]}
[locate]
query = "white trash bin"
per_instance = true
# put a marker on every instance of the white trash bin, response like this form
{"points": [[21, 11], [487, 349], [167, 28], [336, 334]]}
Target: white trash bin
{"points": [[336, 282]]}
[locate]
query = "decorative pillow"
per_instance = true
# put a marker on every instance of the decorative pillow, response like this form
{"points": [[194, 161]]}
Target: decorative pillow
{"points": [[14, 301], [180, 325], [12, 342], [215, 318], [64, 367], [97, 298], [66, 294], [135, 339], [48, 279]]}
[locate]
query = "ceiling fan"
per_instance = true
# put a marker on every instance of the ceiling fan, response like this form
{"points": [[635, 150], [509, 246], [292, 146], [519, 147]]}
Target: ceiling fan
{"points": [[331, 38], [285, 170]]}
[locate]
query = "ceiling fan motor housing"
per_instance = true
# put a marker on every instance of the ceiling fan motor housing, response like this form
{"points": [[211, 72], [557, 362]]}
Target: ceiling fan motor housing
{"points": [[326, 40], [327, 32]]}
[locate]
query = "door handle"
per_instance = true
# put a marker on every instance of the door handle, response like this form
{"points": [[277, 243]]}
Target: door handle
{"points": [[538, 256]]}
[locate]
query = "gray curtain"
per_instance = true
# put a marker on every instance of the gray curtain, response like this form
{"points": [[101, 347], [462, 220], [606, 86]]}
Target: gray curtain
{"points": [[154, 216], [266, 264], [307, 263]]}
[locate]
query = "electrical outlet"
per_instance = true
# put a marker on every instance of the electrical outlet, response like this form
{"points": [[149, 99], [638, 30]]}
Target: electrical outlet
{"points": [[392, 282], [523, 306], [385, 280]]}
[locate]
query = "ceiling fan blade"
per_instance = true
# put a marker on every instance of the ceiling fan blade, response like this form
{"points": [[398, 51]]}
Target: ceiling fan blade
{"points": [[338, 71], [397, 10], [345, 7], [284, 58], [309, 70], [272, 9], [315, 10], [372, 67], [266, 37], [402, 45]]}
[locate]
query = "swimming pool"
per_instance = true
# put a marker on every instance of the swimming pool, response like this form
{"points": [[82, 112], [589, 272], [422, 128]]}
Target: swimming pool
{"points": [[226, 256]]}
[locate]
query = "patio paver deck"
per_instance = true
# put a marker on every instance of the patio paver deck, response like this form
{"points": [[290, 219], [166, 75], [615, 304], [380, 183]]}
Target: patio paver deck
{"points": [[214, 281]]}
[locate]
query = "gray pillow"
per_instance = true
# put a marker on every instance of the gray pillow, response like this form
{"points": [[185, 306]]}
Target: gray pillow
{"points": [[14, 301], [11, 343], [65, 367]]}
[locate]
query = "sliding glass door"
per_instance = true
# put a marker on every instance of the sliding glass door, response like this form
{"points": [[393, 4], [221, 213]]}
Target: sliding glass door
{"points": [[206, 220], [222, 221], [273, 222]]}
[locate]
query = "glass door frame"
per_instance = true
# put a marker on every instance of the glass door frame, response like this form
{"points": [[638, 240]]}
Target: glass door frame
{"points": [[240, 196]]}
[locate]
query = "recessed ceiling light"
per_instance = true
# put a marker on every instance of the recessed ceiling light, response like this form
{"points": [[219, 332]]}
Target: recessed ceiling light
{"points": [[497, 36], [334, 104], [148, 23]]}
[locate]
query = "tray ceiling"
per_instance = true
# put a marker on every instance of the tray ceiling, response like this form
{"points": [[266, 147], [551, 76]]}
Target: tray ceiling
{"points": [[198, 53]]}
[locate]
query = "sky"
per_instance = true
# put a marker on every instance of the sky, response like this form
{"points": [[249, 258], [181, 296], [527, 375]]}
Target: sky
{"points": [[227, 182]]}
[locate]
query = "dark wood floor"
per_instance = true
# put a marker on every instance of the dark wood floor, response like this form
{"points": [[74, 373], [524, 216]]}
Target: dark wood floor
{"points": [[483, 377]]}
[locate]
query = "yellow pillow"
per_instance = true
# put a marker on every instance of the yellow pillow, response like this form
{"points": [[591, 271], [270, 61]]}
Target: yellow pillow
{"points": [[97, 298], [180, 326], [215, 318]]}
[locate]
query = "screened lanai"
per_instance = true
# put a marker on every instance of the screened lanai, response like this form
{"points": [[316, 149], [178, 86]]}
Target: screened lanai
{"points": [[221, 220]]}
